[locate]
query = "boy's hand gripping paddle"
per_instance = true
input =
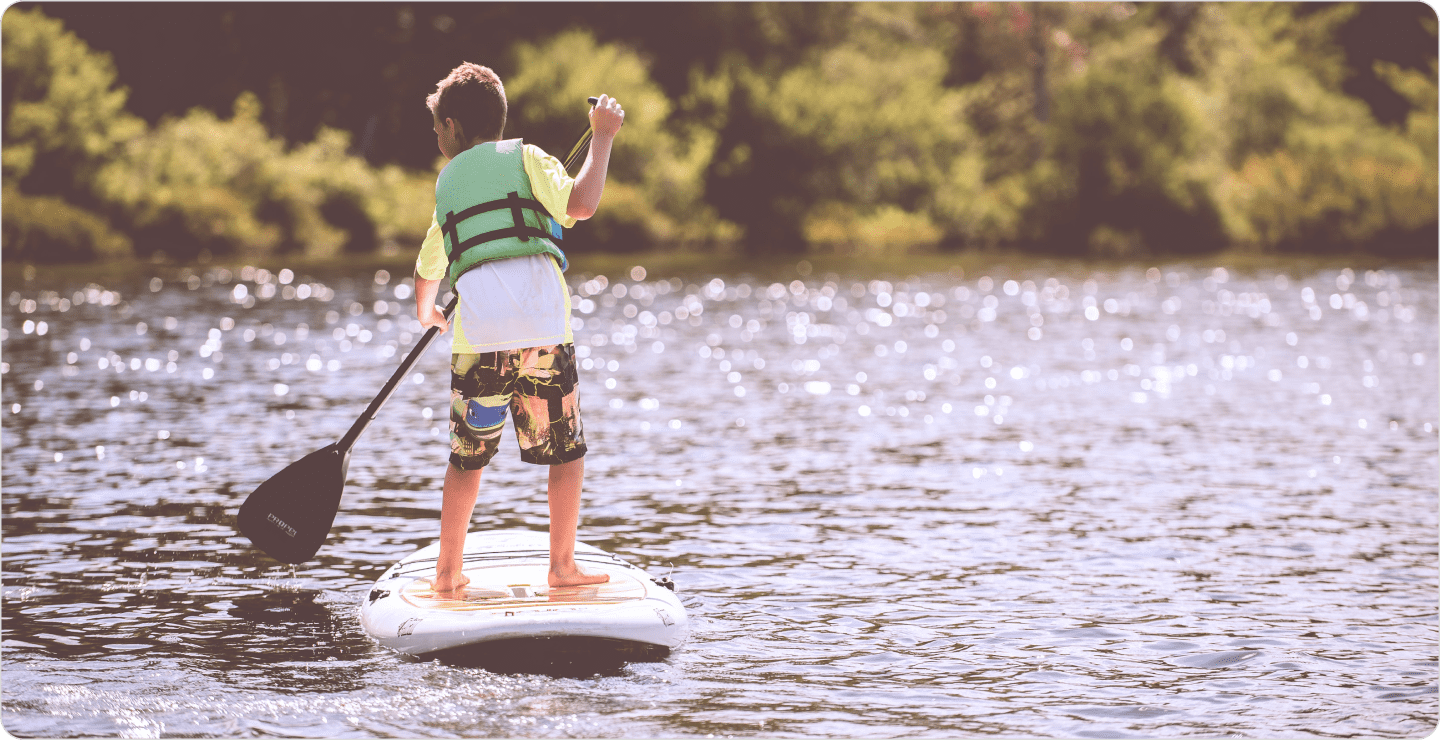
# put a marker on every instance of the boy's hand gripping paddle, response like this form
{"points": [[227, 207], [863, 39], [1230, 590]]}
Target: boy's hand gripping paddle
{"points": [[579, 148], [289, 516]]}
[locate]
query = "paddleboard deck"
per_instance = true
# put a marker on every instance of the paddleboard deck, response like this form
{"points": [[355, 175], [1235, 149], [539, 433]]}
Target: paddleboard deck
{"points": [[508, 604]]}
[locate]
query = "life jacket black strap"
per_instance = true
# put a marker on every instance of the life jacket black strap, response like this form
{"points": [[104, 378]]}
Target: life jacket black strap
{"points": [[524, 232], [514, 203], [514, 200]]}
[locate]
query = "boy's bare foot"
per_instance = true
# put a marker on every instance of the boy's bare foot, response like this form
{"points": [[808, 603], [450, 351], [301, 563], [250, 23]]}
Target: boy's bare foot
{"points": [[574, 577], [449, 584]]}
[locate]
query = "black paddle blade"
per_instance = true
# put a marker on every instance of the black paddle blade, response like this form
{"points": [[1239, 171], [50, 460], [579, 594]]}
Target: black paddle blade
{"points": [[289, 516]]}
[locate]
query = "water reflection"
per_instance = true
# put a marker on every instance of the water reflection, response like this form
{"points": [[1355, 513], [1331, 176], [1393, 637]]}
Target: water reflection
{"points": [[1042, 501]]}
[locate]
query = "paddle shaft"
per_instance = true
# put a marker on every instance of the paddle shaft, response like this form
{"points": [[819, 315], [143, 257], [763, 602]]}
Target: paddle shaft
{"points": [[348, 441], [579, 149]]}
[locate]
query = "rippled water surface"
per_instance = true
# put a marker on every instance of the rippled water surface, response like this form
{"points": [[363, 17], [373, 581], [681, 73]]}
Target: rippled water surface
{"points": [[1041, 501]]}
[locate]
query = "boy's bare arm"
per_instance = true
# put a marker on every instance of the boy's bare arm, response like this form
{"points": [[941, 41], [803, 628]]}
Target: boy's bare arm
{"points": [[605, 120], [425, 309]]}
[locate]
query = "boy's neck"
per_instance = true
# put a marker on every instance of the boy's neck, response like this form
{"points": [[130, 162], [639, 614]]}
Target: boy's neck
{"points": [[478, 141]]}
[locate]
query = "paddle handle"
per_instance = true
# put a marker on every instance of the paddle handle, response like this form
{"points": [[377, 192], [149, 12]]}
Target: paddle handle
{"points": [[580, 146], [348, 441]]}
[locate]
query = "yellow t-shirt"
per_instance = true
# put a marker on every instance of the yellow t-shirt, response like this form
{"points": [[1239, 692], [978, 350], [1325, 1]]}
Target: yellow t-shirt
{"points": [[551, 186]]}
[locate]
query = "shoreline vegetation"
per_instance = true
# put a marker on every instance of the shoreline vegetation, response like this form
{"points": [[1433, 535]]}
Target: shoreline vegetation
{"points": [[966, 266], [829, 132]]}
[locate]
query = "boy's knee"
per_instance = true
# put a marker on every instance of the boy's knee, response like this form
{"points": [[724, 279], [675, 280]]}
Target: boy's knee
{"points": [[472, 464]]}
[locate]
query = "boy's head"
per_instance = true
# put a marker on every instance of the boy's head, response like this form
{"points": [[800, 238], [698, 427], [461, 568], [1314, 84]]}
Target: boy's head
{"points": [[473, 97]]}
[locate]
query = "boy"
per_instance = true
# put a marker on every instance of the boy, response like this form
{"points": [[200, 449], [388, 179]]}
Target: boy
{"points": [[512, 347]]}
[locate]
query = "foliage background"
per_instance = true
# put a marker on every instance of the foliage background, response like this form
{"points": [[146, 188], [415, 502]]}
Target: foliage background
{"points": [[200, 130]]}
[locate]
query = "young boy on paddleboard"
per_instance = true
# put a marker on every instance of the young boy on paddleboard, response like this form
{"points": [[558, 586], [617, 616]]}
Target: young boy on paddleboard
{"points": [[513, 351]]}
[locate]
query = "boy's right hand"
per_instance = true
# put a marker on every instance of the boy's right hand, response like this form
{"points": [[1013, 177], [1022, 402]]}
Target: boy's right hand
{"points": [[434, 317], [426, 311], [606, 117]]}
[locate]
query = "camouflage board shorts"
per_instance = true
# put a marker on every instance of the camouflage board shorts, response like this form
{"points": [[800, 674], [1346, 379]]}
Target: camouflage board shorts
{"points": [[536, 384]]}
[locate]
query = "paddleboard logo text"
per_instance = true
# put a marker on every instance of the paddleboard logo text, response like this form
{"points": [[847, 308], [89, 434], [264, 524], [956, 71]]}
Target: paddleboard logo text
{"points": [[277, 521]]}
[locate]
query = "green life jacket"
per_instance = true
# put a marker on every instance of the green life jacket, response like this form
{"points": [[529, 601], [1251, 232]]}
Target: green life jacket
{"points": [[487, 211]]}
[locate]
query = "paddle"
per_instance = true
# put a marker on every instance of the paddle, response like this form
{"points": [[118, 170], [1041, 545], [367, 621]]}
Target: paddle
{"points": [[289, 516], [584, 141]]}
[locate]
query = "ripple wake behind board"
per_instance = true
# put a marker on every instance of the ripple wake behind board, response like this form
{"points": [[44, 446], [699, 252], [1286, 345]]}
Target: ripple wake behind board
{"points": [[508, 611]]}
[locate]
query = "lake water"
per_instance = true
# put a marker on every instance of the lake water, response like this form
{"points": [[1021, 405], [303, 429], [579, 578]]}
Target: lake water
{"points": [[1051, 500]]}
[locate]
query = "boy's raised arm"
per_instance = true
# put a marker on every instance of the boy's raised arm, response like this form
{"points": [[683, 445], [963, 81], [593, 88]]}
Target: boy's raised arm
{"points": [[605, 120]]}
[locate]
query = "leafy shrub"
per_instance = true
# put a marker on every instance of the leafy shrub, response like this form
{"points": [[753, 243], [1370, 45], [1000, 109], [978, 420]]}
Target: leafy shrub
{"points": [[225, 186], [345, 211], [192, 185], [1309, 169], [48, 229], [64, 116], [1103, 129], [654, 194], [195, 183]]}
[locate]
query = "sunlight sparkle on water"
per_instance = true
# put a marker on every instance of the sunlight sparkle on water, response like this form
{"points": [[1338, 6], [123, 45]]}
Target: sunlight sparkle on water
{"points": [[1091, 390]]}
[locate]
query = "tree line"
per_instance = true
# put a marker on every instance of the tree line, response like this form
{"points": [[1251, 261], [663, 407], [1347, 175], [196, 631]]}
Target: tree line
{"points": [[1090, 129]]}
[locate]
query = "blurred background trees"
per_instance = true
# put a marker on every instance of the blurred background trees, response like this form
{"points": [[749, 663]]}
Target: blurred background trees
{"points": [[1093, 129], [64, 120]]}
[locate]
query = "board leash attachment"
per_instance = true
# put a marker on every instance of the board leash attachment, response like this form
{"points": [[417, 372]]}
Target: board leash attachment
{"points": [[665, 580]]}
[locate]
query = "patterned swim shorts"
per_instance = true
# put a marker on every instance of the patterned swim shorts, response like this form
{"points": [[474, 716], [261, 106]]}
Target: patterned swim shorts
{"points": [[536, 384]]}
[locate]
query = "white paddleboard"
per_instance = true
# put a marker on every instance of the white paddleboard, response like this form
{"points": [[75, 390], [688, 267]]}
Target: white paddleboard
{"points": [[508, 599]]}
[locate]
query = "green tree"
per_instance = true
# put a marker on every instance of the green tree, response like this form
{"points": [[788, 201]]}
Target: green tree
{"points": [[654, 194], [760, 175], [1007, 60], [837, 132], [882, 131], [201, 184], [194, 184], [1127, 171], [1309, 167], [64, 117], [64, 114]]}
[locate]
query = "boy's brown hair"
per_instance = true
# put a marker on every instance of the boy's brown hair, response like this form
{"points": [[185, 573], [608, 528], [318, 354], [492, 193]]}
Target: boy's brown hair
{"points": [[474, 97]]}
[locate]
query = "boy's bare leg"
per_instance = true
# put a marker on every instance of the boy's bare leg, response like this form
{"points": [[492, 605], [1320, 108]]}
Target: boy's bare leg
{"points": [[565, 482], [461, 489]]}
